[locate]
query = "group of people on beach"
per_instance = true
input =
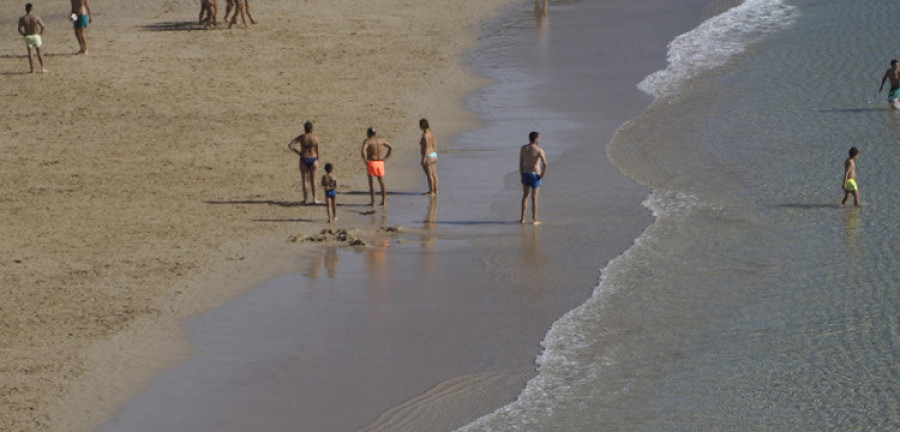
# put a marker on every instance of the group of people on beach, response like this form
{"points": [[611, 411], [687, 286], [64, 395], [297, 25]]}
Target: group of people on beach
{"points": [[375, 150], [208, 10], [31, 27]]}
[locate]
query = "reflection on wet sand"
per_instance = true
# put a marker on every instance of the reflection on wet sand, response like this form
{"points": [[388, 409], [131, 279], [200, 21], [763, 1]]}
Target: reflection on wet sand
{"points": [[531, 249], [377, 269], [315, 263], [327, 258], [541, 14], [429, 223], [851, 234], [331, 261]]}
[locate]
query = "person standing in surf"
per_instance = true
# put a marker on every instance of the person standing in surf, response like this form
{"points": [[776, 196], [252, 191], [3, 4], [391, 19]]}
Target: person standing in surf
{"points": [[849, 184], [892, 74], [532, 167]]}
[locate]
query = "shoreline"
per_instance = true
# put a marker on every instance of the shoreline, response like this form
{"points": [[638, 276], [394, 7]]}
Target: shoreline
{"points": [[618, 227], [64, 288]]}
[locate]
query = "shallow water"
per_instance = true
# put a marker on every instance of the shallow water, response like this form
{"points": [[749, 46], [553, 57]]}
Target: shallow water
{"points": [[755, 301]]}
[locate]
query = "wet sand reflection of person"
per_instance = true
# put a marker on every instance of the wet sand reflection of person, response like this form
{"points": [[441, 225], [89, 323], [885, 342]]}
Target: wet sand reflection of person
{"points": [[541, 14], [429, 223], [531, 249], [315, 263], [331, 261], [851, 236]]}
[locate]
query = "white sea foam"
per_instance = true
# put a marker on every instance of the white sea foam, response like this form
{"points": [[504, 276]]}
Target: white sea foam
{"points": [[716, 41], [560, 365]]}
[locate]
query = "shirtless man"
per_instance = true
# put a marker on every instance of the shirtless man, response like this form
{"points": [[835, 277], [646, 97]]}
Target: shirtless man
{"points": [[208, 13], [372, 155], [31, 27], [532, 167], [428, 148], [892, 74], [309, 158], [849, 184], [82, 11]]}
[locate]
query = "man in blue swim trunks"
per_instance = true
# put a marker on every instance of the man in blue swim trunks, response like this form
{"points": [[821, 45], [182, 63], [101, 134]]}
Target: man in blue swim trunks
{"points": [[309, 159], [532, 168], [892, 74], [81, 16]]}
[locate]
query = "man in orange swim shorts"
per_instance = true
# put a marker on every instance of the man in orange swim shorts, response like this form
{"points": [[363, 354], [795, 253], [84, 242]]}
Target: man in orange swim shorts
{"points": [[374, 157]]}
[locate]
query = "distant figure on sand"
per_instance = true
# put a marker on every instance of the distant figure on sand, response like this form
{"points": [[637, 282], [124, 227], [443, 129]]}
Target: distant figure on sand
{"points": [[31, 27], [849, 184], [241, 7], [892, 74], [81, 17], [329, 183], [532, 167], [309, 158], [541, 13], [229, 7], [428, 148], [208, 13], [374, 157]]}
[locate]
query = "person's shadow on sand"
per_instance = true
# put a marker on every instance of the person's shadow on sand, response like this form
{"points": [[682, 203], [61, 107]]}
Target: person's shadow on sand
{"points": [[256, 202], [173, 26]]}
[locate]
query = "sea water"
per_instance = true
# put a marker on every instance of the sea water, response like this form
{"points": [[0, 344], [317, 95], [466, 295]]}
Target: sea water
{"points": [[755, 301]]}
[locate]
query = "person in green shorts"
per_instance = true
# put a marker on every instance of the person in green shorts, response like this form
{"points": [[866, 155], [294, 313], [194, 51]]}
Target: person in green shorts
{"points": [[31, 27], [849, 184]]}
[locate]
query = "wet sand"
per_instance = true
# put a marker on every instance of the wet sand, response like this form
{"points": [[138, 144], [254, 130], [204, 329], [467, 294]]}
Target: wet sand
{"points": [[439, 324], [151, 180]]}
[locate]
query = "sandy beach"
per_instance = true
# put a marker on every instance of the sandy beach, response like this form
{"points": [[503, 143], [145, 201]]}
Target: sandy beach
{"points": [[151, 180]]}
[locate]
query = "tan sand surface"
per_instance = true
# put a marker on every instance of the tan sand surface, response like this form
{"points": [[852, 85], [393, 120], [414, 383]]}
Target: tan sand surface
{"points": [[150, 179]]}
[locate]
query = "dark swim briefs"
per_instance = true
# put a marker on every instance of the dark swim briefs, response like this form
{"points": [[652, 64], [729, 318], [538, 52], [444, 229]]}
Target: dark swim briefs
{"points": [[309, 161], [531, 179]]}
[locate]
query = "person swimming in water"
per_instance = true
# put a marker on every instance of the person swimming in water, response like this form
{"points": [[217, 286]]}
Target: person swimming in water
{"points": [[309, 159]]}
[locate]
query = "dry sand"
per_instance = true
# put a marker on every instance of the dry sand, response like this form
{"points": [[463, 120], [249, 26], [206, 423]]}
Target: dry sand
{"points": [[150, 179]]}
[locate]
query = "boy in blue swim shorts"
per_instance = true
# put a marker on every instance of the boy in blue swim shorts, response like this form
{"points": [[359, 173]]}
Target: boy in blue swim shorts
{"points": [[532, 168], [329, 183]]}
